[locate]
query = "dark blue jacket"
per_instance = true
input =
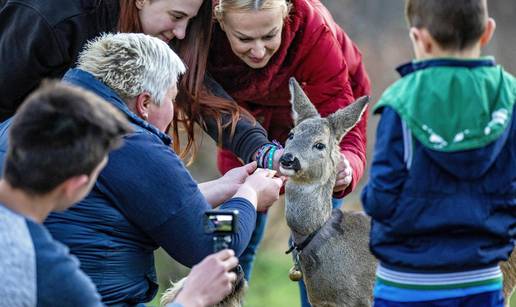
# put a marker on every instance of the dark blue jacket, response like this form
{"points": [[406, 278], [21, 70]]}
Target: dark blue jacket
{"points": [[143, 199], [435, 211]]}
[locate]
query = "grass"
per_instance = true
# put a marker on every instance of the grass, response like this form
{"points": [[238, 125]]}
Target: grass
{"points": [[270, 285]]}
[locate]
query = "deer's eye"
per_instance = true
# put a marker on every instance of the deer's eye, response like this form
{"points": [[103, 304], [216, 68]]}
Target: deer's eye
{"points": [[319, 146], [290, 136]]}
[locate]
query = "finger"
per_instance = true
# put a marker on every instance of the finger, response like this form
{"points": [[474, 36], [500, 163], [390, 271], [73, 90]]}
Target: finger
{"points": [[230, 263], [347, 179], [278, 181], [346, 163], [251, 167], [225, 254], [231, 276], [261, 171], [348, 171]]}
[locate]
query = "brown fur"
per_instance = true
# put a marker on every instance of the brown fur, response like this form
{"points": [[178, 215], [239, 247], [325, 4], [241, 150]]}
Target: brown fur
{"points": [[235, 299], [509, 276]]}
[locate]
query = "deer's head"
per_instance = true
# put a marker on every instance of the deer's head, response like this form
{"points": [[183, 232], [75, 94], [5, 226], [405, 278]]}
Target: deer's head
{"points": [[312, 149]]}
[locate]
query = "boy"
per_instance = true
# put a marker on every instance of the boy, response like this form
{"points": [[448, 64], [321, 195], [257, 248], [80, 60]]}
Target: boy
{"points": [[442, 189], [58, 143]]}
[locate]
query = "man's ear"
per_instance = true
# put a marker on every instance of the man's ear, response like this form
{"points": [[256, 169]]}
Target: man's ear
{"points": [[142, 104], [488, 32]]}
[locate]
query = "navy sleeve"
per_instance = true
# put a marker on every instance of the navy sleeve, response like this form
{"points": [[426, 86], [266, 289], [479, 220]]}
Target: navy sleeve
{"points": [[29, 52], [248, 136], [149, 183], [60, 282], [388, 170]]}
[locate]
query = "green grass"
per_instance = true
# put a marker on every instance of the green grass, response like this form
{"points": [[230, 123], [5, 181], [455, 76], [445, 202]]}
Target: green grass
{"points": [[270, 285], [513, 301]]}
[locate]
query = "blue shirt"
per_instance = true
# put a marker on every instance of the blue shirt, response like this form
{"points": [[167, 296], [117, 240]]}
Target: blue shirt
{"points": [[144, 199], [46, 266]]}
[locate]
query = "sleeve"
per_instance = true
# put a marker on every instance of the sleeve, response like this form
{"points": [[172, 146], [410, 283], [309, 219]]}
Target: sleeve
{"points": [[148, 182], [248, 136], [388, 170], [29, 52], [59, 278], [328, 84]]}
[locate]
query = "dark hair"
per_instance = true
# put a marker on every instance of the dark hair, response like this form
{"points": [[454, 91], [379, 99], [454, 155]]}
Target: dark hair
{"points": [[194, 102], [60, 131], [454, 24]]}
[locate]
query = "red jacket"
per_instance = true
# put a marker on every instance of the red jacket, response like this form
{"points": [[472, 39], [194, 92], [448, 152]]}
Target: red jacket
{"points": [[317, 52]]}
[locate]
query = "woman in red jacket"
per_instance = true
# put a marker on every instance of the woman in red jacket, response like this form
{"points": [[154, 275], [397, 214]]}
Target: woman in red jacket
{"points": [[257, 45]]}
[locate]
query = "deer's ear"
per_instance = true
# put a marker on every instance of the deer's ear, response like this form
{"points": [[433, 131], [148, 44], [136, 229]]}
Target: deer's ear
{"points": [[302, 107], [346, 118]]}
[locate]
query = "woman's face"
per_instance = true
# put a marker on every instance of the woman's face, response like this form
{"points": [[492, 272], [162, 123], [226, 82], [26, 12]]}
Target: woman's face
{"points": [[254, 36], [166, 19], [161, 116]]}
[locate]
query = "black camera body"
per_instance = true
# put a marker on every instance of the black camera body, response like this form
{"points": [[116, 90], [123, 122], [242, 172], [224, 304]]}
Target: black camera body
{"points": [[222, 224]]}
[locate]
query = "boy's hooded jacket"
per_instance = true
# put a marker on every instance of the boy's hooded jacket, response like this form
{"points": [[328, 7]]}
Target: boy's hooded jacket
{"points": [[442, 190]]}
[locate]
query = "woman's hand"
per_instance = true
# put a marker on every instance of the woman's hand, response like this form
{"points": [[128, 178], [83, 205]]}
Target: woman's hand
{"points": [[210, 281], [219, 190], [344, 174], [261, 188]]}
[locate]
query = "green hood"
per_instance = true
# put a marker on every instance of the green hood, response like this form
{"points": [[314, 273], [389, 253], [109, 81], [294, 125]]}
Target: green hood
{"points": [[452, 107]]}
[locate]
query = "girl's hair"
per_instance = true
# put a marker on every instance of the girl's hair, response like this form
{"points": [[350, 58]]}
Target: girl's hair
{"points": [[249, 5], [194, 102]]}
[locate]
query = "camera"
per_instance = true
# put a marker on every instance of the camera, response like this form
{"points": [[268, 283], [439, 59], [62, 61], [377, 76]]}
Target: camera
{"points": [[222, 224]]}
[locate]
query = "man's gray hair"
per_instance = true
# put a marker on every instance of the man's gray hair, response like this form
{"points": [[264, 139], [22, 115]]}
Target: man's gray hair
{"points": [[132, 63]]}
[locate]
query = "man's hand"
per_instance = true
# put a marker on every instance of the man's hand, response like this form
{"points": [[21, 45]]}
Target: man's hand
{"points": [[210, 281]]}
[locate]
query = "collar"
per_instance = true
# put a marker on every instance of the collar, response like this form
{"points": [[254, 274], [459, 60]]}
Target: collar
{"points": [[322, 232], [414, 66], [87, 81]]}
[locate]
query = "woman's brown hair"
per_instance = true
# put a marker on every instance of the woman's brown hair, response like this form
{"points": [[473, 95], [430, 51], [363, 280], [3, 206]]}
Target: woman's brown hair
{"points": [[194, 102]]}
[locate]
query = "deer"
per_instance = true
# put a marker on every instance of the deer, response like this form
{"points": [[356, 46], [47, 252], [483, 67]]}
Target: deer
{"points": [[330, 247]]}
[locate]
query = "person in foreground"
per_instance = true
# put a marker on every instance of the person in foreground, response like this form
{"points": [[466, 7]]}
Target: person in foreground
{"points": [[442, 186], [145, 198], [61, 137], [58, 144]]}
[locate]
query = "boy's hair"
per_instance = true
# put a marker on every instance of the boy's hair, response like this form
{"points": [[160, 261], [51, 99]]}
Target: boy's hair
{"points": [[60, 131], [454, 24], [132, 63]]}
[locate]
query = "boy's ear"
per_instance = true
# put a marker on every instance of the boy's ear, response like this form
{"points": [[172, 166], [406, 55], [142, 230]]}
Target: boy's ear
{"points": [[73, 186], [142, 105], [422, 40], [488, 32]]}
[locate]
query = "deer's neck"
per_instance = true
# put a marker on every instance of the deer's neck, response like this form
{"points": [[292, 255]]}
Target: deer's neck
{"points": [[308, 205]]}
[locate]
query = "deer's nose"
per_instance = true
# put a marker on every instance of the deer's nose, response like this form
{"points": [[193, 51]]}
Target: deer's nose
{"points": [[288, 161]]}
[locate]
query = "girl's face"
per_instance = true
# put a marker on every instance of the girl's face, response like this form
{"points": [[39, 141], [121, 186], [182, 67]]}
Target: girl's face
{"points": [[166, 19], [254, 36]]}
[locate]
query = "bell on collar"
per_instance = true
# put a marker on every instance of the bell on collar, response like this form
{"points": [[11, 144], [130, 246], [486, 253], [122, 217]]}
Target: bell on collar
{"points": [[295, 274]]}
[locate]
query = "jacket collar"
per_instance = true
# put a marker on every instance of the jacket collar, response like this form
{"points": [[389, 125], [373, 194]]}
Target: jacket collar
{"points": [[88, 81], [414, 66]]}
